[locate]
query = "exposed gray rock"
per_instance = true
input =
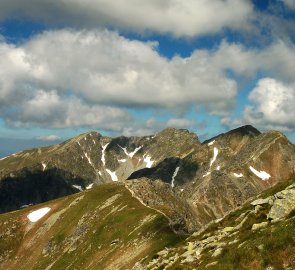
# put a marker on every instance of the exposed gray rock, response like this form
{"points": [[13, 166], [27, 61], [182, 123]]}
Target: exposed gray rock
{"points": [[211, 264], [162, 253], [228, 229], [217, 252], [233, 242], [260, 201], [291, 186], [259, 226], [284, 203]]}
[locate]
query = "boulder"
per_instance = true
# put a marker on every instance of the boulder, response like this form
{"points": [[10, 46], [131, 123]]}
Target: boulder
{"points": [[259, 226], [284, 203], [260, 201], [228, 229]]}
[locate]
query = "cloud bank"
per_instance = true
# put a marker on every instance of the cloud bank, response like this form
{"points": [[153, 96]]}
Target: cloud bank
{"points": [[78, 78], [179, 18]]}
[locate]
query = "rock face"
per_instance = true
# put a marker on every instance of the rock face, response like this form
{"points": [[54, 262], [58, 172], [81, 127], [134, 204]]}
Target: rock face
{"points": [[165, 201], [85, 160], [224, 243], [192, 183], [224, 172], [161, 196]]}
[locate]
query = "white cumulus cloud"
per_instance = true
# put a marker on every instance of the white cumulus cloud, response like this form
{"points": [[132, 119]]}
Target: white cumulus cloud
{"points": [[71, 78], [48, 109], [177, 17], [273, 105]]}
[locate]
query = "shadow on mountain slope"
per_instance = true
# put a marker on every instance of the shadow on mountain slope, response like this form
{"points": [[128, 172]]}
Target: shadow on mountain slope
{"points": [[165, 170], [32, 187]]}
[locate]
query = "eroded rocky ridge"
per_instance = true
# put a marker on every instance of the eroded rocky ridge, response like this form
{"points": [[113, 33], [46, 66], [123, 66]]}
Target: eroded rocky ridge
{"points": [[259, 235], [190, 182]]}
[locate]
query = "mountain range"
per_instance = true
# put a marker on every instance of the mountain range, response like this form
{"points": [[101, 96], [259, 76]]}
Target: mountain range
{"points": [[95, 202]]}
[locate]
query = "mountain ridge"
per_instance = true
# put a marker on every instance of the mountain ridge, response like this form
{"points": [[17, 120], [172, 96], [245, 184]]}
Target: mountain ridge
{"points": [[222, 172], [94, 202]]}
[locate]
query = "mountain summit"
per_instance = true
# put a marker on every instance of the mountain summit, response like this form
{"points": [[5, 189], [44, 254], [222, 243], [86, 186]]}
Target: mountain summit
{"points": [[221, 172], [184, 184]]}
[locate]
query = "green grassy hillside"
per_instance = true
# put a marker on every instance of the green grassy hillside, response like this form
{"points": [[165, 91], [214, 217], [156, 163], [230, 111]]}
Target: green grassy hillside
{"points": [[103, 228]]}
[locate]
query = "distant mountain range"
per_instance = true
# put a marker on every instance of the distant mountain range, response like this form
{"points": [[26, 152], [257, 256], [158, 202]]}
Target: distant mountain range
{"points": [[133, 191]]}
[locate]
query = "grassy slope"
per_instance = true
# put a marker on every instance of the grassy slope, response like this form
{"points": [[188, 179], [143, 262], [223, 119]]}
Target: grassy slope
{"points": [[104, 228]]}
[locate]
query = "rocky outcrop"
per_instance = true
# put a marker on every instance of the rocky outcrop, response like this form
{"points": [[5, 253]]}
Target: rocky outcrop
{"points": [[238, 231], [160, 196], [283, 204]]}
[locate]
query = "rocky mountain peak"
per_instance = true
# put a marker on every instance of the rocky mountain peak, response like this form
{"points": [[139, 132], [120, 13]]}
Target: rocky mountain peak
{"points": [[171, 175], [245, 130], [174, 133], [212, 178]]}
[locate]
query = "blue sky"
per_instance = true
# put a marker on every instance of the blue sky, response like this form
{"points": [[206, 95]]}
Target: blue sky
{"points": [[134, 67]]}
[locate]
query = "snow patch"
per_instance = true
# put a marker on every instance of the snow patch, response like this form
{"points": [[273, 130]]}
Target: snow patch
{"points": [[135, 151], [206, 174], [89, 186], [218, 168], [214, 156], [148, 161], [182, 190], [261, 174], [94, 142], [122, 160], [77, 187], [131, 154], [238, 175], [211, 143], [173, 176], [113, 175], [38, 214], [4, 158], [88, 158], [44, 166], [103, 153], [100, 173]]}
